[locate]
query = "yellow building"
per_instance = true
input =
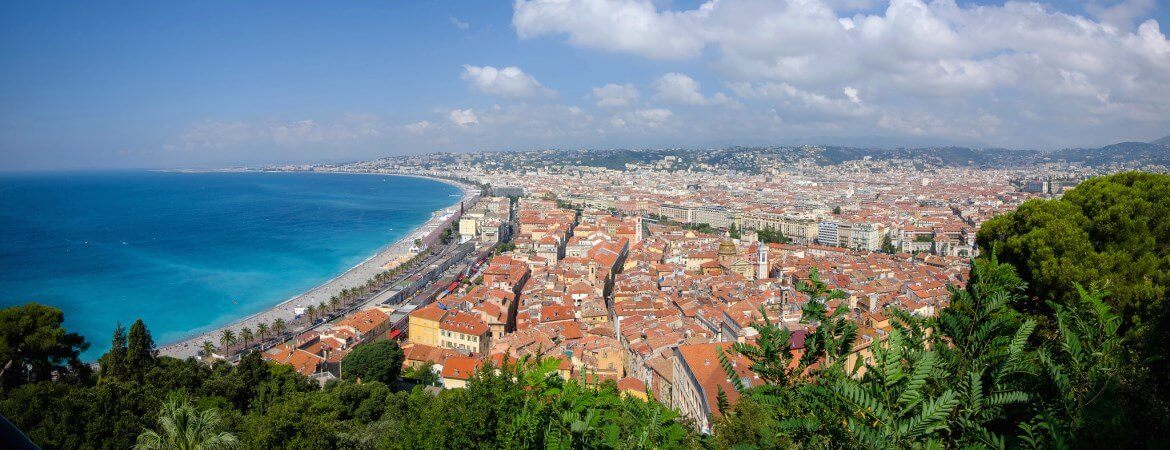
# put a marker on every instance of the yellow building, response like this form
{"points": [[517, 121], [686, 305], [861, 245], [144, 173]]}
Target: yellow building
{"points": [[450, 329], [423, 325], [467, 226], [464, 332]]}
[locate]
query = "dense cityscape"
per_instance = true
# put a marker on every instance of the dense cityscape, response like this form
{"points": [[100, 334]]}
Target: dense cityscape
{"points": [[637, 275]]}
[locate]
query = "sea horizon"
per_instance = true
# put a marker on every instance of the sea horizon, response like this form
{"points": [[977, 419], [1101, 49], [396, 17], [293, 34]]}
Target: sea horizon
{"points": [[189, 251]]}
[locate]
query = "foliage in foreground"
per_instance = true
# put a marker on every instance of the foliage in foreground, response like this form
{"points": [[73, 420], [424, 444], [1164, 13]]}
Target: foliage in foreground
{"points": [[138, 399], [976, 376], [181, 426], [1112, 232]]}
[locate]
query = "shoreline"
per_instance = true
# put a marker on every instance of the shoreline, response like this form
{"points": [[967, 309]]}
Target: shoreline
{"points": [[385, 258]]}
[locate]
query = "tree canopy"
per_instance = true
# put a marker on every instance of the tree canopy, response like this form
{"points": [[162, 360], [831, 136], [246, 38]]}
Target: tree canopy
{"points": [[377, 361], [771, 236], [1111, 232], [34, 347]]}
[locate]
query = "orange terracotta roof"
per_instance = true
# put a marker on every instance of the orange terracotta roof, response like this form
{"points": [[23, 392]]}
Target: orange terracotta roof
{"points": [[460, 367]]}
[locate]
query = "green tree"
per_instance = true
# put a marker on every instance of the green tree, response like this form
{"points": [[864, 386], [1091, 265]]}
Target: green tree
{"points": [[227, 338], [771, 236], [505, 247], [278, 327], [425, 374], [208, 349], [262, 330], [183, 427], [246, 336], [1083, 368], [34, 347], [888, 245], [1112, 232], [833, 334], [140, 352], [113, 363], [375, 361]]}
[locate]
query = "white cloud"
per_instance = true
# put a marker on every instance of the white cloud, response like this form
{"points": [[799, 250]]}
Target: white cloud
{"points": [[910, 59], [215, 134], [790, 95], [508, 82], [615, 95], [1121, 14], [419, 127], [651, 118], [634, 26], [297, 133], [681, 89], [463, 117], [459, 23], [678, 88], [852, 94]]}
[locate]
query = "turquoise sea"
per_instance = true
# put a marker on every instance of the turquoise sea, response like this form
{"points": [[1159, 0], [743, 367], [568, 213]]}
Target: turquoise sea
{"points": [[188, 252]]}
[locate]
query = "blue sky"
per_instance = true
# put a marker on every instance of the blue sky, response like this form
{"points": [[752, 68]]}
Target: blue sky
{"points": [[207, 84]]}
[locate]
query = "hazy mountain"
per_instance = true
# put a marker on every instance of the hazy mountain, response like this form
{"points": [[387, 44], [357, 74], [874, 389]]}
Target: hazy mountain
{"points": [[1164, 141], [1122, 152]]}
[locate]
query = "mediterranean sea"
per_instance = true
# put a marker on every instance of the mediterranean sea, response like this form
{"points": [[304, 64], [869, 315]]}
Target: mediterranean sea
{"points": [[188, 252]]}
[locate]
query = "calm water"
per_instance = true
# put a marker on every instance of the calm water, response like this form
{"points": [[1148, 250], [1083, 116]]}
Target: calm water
{"points": [[177, 249]]}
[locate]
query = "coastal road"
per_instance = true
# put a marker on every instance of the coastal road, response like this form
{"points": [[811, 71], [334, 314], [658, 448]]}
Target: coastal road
{"points": [[385, 296]]}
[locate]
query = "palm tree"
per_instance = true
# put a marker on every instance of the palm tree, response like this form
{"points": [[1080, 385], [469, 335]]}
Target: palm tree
{"points": [[246, 336], [311, 311], [334, 302], [321, 308], [226, 339], [278, 327], [208, 349], [262, 330], [181, 426]]}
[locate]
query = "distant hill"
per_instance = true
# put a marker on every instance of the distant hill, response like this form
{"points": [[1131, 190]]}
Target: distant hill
{"points": [[758, 158], [1123, 152]]}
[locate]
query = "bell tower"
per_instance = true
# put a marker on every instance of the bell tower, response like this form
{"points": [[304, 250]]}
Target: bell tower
{"points": [[638, 228], [763, 269]]}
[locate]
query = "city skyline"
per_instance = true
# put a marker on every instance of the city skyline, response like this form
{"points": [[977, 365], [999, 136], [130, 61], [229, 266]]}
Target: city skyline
{"points": [[215, 85]]}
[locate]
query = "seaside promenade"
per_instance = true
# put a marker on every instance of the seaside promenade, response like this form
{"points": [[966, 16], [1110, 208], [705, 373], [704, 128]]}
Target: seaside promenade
{"points": [[386, 258]]}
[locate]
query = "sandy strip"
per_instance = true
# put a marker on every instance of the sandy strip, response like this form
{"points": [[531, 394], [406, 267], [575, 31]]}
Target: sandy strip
{"points": [[385, 259]]}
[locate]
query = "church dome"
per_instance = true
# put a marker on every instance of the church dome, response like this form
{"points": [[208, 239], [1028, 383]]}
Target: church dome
{"points": [[727, 248]]}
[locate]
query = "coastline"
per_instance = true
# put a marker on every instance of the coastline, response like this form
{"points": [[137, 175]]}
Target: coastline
{"points": [[384, 258]]}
